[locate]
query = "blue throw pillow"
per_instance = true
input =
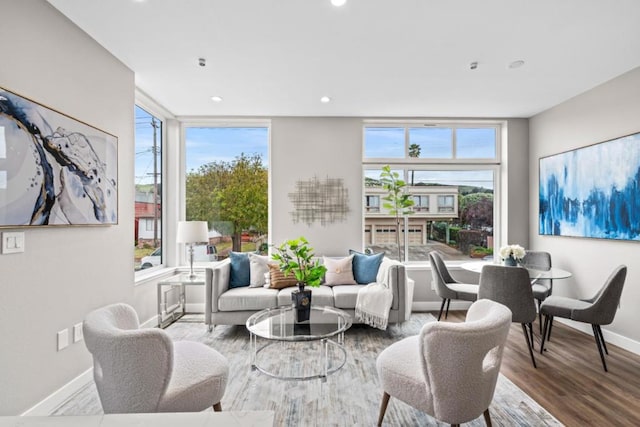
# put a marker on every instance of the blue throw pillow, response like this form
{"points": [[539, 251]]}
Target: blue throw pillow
{"points": [[240, 269], [365, 267]]}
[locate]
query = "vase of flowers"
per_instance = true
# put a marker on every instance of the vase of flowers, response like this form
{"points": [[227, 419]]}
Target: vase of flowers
{"points": [[512, 254], [296, 257]]}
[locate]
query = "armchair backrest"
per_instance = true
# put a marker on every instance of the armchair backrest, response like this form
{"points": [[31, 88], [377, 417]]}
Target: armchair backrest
{"points": [[132, 366], [510, 286], [461, 361], [605, 302]]}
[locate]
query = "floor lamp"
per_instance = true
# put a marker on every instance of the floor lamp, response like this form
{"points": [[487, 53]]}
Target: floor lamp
{"points": [[192, 232]]}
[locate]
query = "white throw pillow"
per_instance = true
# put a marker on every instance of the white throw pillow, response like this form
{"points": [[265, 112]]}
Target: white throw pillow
{"points": [[339, 271], [258, 266]]}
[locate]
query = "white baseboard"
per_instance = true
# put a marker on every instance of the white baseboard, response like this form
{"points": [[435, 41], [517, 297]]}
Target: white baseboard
{"points": [[609, 337], [58, 397]]}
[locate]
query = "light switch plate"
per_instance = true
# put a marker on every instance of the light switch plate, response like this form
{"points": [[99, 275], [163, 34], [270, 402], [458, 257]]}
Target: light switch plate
{"points": [[12, 242], [77, 332], [63, 339]]}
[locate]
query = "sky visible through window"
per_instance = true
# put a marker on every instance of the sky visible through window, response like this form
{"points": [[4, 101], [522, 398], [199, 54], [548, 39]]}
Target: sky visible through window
{"points": [[144, 146], [213, 144]]}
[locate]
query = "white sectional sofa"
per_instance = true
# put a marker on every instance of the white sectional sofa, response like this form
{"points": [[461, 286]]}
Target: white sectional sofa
{"points": [[233, 306]]}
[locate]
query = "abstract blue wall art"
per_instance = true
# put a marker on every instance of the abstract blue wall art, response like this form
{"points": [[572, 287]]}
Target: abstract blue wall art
{"points": [[54, 170], [592, 191]]}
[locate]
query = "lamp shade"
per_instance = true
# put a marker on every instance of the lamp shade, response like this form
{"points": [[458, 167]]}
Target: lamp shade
{"points": [[192, 232]]}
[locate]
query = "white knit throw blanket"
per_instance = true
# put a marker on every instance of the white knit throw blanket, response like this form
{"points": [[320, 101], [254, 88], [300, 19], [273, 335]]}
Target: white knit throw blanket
{"points": [[374, 300]]}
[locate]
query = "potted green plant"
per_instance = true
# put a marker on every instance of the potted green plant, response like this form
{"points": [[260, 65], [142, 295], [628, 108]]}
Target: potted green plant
{"points": [[296, 257]]}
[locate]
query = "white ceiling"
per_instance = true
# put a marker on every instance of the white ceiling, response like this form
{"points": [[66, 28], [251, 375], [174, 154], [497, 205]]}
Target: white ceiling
{"points": [[374, 58]]}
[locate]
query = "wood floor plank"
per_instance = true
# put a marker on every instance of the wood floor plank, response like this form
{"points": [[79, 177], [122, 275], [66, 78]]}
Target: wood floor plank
{"points": [[570, 382]]}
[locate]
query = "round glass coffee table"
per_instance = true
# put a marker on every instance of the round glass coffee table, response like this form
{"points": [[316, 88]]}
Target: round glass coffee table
{"points": [[278, 325]]}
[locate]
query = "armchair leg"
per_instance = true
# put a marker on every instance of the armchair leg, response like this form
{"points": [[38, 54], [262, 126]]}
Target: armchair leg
{"points": [[529, 342], [444, 301], [210, 327], [487, 417], [217, 407], [599, 344], [383, 407]]}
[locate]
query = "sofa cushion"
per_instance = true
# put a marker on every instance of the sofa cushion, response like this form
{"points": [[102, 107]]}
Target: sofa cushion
{"points": [[365, 267], [320, 296], [240, 269], [277, 279], [345, 296], [339, 271], [258, 266], [246, 298]]}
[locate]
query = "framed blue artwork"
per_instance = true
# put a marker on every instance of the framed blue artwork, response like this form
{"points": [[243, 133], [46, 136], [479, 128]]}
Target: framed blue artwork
{"points": [[592, 191], [54, 170]]}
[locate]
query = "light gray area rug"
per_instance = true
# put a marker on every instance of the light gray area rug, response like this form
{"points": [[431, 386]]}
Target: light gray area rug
{"points": [[350, 397]]}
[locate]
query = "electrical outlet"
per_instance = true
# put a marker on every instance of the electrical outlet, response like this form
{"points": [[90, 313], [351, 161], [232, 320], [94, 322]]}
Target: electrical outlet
{"points": [[63, 339], [77, 332]]}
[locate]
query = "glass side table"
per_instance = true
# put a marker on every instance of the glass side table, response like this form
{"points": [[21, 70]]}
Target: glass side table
{"points": [[172, 296]]}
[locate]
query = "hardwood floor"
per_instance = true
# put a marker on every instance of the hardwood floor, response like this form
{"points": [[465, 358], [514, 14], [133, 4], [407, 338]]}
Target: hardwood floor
{"points": [[569, 381]]}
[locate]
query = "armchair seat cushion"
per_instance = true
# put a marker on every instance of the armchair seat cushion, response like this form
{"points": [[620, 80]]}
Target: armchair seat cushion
{"points": [[557, 306], [245, 298], [397, 369], [199, 377], [345, 296], [320, 296]]}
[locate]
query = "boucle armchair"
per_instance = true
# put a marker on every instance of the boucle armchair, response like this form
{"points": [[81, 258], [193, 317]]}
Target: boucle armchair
{"points": [[450, 370], [142, 370]]}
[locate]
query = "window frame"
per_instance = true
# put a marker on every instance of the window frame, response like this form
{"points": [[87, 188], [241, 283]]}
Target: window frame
{"points": [[194, 122], [438, 164], [154, 109]]}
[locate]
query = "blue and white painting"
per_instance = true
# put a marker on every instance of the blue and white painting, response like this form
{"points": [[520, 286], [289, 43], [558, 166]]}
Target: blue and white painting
{"points": [[592, 191], [54, 170]]}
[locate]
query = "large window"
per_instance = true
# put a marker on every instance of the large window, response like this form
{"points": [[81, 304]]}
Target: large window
{"points": [[450, 173], [148, 190], [227, 185]]}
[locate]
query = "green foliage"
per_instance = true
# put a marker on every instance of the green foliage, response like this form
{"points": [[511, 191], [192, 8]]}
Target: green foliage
{"points": [[296, 256], [476, 210], [453, 234], [231, 196], [397, 201]]}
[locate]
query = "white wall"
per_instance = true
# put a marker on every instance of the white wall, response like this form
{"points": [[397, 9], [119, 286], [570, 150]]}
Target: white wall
{"points": [[605, 112], [65, 271], [304, 148]]}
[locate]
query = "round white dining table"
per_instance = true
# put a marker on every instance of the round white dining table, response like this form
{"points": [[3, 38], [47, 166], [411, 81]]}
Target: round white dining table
{"points": [[534, 274]]}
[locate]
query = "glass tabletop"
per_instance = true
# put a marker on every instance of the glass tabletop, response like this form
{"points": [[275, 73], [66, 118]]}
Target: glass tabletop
{"points": [[279, 324], [184, 279], [552, 273]]}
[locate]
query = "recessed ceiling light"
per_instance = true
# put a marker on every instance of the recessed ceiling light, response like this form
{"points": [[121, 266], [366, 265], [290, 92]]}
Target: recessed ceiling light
{"points": [[325, 99], [516, 64], [216, 98], [338, 3], [473, 65]]}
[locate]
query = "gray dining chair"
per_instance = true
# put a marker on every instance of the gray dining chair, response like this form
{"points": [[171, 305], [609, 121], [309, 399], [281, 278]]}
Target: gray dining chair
{"points": [[511, 286], [597, 311], [446, 287], [542, 288], [450, 370], [143, 370]]}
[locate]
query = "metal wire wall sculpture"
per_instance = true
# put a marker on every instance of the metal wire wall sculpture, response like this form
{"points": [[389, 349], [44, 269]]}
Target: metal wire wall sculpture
{"points": [[324, 201]]}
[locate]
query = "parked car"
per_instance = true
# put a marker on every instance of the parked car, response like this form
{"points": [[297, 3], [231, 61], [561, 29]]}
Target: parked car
{"points": [[200, 253]]}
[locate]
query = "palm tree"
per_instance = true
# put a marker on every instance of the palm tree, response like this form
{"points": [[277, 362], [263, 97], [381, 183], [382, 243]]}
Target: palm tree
{"points": [[414, 151]]}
